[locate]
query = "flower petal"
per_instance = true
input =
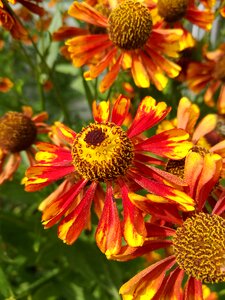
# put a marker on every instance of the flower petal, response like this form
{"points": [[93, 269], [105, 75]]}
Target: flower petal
{"points": [[72, 225], [120, 110], [145, 284], [193, 289], [108, 234], [100, 111], [170, 143], [148, 114], [83, 11]]}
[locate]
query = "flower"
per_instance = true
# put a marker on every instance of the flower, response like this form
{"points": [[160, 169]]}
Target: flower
{"points": [[10, 21], [172, 11], [187, 116], [128, 39], [209, 75], [18, 132], [5, 84], [198, 243], [105, 156]]}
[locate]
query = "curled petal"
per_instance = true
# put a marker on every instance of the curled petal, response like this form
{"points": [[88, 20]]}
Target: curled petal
{"points": [[120, 110]]}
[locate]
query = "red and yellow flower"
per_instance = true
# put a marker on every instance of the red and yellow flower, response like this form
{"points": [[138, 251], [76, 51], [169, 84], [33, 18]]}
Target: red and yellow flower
{"points": [[209, 76], [104, 156], [198, 242], [124, 37], [18, 132]]}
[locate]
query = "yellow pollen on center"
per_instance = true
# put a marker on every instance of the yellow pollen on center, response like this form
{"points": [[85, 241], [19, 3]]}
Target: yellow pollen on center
{"points": [[172, 10], [17, 132], [130, 25], [219, 71], [199, 247], [176, 167], [102, 152]]}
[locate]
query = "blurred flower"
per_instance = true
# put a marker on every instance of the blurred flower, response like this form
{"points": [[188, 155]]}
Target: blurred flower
{"points": [[18, 132], [5, 84], [209, 75], [11, 22], [173, 11], [125, 38], [103, 154]]}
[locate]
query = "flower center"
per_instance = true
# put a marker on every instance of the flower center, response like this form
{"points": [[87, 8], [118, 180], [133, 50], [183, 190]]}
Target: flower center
{"points": [[176, 167], [130, 25], [172, 10], [17, 132], [102, 152], [199, 247], [219, 71]]}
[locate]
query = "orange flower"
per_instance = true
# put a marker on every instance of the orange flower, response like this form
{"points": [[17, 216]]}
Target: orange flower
{"points": [[147, 50], [104, 155], [172, 11], [209, 75], [5, 84], [18, 132]]}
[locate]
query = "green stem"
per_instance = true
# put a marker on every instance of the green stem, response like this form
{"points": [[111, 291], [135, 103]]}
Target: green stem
{"points": [[87, 90]]}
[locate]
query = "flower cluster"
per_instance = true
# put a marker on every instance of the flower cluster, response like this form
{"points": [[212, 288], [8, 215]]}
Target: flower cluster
{"points": [[146, 174]]}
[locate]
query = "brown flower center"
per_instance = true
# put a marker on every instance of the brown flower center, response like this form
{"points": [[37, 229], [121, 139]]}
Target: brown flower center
{"points": [[130, 25], [176, 167], [172, 10], [102, 152], [17, 132], [199, 247]]}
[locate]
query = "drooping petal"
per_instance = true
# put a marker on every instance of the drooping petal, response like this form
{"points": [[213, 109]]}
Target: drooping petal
{"points": [[83, 11], [170, 143], [139, 72], [145, 284], [59, 206], [193, 289], [108, 234], [72, 225], [110, 77], [172, 289], [97, 69], [120, 110], [8, 166], [148, 114], [134, 225], [203, 19]]}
